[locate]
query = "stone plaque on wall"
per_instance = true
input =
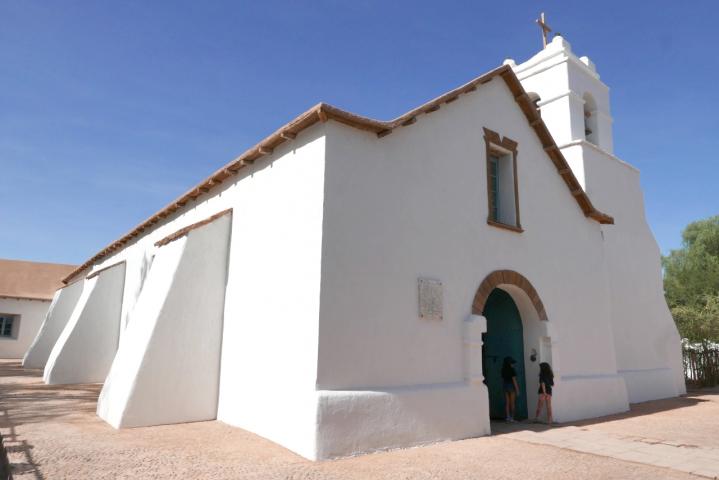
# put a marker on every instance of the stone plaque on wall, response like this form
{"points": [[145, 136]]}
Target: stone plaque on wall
{"points": [[430, 299]]}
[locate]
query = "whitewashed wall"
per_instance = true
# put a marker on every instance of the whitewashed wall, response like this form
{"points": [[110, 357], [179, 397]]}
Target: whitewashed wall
{"points": [[269, 351], [172, 343], [58, 314], [31, 315], [271, 312], [646, 338], [84, 351], [414, 204]]}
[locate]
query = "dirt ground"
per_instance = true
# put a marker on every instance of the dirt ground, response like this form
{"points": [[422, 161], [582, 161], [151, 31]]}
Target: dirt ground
{"points": [[690, 420], [52, 432]]}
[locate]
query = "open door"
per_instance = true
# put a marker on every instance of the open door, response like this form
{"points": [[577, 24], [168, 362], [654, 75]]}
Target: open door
{"points": [[504, 338]]}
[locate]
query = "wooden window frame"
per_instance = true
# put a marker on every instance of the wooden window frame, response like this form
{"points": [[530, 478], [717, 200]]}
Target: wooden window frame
{"points": [[496, 145]]}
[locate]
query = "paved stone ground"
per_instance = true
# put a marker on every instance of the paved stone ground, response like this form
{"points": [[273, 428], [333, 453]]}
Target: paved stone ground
{"points": [[52, 432], [696, 459]]}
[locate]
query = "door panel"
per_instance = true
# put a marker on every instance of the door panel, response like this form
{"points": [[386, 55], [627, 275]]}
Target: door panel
{"points": [[504, 338]]}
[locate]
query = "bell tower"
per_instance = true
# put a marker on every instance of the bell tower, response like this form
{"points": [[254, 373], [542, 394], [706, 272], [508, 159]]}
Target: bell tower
{"points": [[573, 101], [574, 104]]}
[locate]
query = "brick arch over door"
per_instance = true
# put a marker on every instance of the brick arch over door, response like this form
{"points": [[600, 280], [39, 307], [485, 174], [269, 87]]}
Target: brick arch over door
{"points": [[506, 277]]}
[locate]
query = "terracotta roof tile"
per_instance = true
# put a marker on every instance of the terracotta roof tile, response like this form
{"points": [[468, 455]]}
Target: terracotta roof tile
{"points": [[31, 280], [323, 112]]}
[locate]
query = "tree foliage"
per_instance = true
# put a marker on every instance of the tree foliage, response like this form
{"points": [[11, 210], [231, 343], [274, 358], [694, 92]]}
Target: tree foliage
{"points": [[691, 281]]}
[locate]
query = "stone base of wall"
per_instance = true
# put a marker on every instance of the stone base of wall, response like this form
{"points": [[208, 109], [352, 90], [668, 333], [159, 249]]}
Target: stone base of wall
{"points": [[354, 422]]}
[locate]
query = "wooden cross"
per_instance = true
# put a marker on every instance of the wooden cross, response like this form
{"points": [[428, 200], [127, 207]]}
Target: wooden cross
{"points": [[545, 29]]}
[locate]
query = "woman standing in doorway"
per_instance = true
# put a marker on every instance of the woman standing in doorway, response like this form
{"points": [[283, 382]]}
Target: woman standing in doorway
{"points": [[546, 382], [510, 386]]}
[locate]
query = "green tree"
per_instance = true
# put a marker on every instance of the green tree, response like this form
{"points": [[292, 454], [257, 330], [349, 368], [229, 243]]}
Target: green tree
{"points": [[691, 281]]}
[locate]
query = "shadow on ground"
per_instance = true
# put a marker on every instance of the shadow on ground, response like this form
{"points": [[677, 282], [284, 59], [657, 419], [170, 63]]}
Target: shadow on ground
{"points": [[34, 403], [15, 445], [15, 369], [31, 401], [635, 410]]}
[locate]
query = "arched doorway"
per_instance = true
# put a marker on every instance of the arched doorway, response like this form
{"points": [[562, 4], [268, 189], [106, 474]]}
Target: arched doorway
{"points": [[517, 326], [504, 338]]}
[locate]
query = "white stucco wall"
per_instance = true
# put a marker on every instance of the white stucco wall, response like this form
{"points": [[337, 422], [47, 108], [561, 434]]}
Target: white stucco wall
{"points": [[364, 421], [269, 352], [53, 324], [29, 318], [271, 311], [647, 342], [84, 351], [414, 204], [167, 370]]}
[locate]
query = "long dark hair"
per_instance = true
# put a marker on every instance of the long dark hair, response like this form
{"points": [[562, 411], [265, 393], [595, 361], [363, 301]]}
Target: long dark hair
{"points": [[545, 370], [507, 366]]}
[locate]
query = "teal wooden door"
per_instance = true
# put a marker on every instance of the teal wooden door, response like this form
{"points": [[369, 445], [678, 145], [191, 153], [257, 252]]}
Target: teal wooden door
{"points": [[504, 338]]}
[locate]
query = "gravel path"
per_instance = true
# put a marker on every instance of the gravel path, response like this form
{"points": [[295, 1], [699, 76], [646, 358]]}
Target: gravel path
{"points": [[51, 432]]}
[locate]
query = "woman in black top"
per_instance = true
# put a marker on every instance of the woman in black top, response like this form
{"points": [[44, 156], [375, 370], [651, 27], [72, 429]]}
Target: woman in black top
{"points": [[546, 382], [510, 387]]}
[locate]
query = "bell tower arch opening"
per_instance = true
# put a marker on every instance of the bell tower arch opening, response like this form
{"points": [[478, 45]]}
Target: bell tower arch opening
{"points": [[591, 128]]}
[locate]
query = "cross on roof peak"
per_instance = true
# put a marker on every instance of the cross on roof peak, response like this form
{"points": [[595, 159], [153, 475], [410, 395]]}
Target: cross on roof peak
{"points": [[545, 28]]}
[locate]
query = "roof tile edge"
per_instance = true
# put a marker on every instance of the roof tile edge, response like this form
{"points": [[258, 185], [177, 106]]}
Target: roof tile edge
{"points": [[323, 112]]}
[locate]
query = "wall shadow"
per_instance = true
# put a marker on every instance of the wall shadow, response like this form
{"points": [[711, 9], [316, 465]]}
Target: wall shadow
{"points": [[14, 368], [12, 444], [635, 410], [24, 399]]}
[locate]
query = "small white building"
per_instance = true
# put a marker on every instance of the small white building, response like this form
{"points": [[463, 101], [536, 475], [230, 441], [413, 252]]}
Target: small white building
{"points": [[350, 284], [26, 293]]}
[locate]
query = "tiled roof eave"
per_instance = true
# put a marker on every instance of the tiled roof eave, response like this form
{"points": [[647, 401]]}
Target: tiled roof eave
{"points": [[323, 112]]}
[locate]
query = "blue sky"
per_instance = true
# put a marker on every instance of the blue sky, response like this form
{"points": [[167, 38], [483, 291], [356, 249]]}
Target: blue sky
{"points": [[109, 110]]}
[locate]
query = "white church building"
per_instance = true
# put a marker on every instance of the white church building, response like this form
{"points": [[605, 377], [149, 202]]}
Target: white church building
{"points": [[349, 284]]}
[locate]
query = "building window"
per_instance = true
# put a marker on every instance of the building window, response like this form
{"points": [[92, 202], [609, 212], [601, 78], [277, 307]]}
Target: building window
{"points": [[502, 191], [7, 322], [494, 187]]}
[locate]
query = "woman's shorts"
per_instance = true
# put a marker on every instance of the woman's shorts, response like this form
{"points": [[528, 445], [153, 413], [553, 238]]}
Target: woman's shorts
{"points": [[549, 391], [508, 387]]}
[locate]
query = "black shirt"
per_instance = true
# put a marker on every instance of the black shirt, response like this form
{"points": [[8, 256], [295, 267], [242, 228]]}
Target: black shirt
{"points": [[547, 380], [508, 374]]}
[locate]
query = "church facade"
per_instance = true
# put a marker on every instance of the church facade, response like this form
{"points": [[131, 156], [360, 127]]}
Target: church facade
{"points": [[349, 285]]}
